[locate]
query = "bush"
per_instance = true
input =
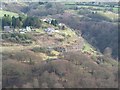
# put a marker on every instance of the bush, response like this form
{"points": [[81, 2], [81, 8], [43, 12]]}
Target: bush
{"points": [[48, 51], [40, 49], [17, 38]]}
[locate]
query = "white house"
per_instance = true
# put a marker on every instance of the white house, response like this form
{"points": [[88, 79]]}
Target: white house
{"points": [[48, 20], [24, 30], [7, 28], [49, 30], [28, 29]]}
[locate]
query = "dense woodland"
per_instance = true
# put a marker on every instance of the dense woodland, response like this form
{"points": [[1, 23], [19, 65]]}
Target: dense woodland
{"points": [[71, 71]]}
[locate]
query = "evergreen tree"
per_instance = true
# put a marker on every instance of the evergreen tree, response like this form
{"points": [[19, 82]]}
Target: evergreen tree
{"points": [[6, 21], [32, 21], [54, 22], [18, 22], [9, 20], [14, 22]]}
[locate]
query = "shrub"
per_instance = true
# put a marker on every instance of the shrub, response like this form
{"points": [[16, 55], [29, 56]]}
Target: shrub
{"points": [[41, 49], [17, 38]]}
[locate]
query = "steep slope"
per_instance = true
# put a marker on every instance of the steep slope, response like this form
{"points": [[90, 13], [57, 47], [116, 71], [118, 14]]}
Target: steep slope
{"points": [[41, 65], [100, 34]]}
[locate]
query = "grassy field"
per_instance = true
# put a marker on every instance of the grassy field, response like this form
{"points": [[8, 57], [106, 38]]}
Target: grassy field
{"points": [[40, 31], [71, 11], [8, 13], [92, 7], [68, 32], [108, 14], [116, 9], [89, 48]]}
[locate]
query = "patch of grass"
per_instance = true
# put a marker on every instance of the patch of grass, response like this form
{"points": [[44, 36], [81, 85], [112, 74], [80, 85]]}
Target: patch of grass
{"points": [[71, 11], [88, 48], [2, 12], [92, 7], [54, 53], [109, 15], [68, 32], [40, 31], [116, 9], [51, 57]]}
